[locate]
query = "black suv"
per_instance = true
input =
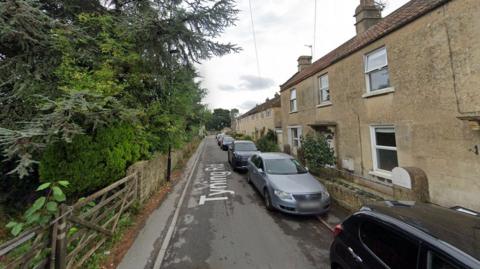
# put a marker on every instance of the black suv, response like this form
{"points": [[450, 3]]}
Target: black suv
{"points": [[239, 152], [407, 235]]}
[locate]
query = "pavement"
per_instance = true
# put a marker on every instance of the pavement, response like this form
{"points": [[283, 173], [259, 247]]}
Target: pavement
{"points": [[214, 219]]}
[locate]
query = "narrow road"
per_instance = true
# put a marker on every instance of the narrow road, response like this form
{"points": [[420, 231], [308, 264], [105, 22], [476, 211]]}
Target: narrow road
{"points": [[223, 223]]}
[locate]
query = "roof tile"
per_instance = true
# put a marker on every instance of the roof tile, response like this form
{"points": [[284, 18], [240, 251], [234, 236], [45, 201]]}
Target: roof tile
{"points": [[400, 17]]}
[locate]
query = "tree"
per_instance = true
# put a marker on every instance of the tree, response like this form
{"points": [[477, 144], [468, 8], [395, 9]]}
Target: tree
{"points": [[219, 120], [68, 68]]}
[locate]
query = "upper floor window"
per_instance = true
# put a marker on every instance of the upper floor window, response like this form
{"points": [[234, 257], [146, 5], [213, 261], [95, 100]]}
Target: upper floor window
{"points": [[376, 70], [323, 89], [293, 100], [384, 148], [268, 113]]}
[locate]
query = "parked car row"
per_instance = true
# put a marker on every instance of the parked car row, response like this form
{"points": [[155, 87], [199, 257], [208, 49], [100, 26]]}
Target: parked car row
{"points": [[283, 182], [387, 234], [224, 141]]}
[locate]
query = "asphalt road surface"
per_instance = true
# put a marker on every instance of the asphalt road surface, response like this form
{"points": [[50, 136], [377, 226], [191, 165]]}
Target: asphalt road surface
{"points": [[222, 223]]}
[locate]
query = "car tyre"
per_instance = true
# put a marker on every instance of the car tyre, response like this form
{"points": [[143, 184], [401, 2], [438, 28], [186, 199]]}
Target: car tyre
{"points": [[249, 181], [268, 201]]}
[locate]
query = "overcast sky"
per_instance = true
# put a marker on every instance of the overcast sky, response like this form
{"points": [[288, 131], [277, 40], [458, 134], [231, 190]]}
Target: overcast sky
{"points": [[282, 28]]}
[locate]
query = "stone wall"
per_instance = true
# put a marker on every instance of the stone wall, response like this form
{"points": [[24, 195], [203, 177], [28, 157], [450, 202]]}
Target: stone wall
{"points": [[254, 124], [152, 173], [434, 67]]}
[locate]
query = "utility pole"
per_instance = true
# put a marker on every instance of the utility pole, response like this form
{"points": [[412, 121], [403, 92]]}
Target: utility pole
{"points": [[169, 157]]}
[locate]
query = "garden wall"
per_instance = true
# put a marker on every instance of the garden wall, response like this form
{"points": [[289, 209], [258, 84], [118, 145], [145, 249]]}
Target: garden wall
{"points": [[153, 173]]}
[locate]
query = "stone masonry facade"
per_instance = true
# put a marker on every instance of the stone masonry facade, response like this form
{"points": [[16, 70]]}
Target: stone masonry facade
{"points": [[434, 81]]}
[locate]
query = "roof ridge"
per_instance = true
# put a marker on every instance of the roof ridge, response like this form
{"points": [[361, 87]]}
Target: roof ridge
{"points": [[274, 102], [400, 17]]}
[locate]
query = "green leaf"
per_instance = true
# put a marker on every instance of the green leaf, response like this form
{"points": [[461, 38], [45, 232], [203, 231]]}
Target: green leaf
{"points": [[10, 224], [64, 183], [33, 218], [17, 229], [52, 206], [44, 186], [30, 211], [58, 194], [43, 220], [39, 203]]}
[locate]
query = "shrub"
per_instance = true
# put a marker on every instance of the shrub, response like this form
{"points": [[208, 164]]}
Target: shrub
{"points": [[316, 151], [268, 142], [91, 162], [239, 136]]}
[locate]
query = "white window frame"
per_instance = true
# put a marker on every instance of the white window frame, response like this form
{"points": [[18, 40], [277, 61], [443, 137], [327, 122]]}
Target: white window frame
{"points": [[291, 139], [373, 139], [293, 100], [268, 112], [323, 89], [367, 70]]}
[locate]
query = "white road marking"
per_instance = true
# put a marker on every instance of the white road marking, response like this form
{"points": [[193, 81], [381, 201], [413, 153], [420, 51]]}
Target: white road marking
{"points": [[217, 184], [171, 228], [204, 198]]}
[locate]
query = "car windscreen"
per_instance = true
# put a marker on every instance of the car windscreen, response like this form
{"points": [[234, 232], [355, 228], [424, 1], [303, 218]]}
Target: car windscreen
{"points": [[227, 139], [245, 147], [284, 167]]}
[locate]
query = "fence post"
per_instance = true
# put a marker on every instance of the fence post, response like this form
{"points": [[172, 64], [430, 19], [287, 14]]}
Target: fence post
{"points": [[61, 244]]}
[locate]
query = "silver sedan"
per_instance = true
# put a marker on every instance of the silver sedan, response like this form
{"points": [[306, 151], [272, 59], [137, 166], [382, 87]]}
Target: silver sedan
{"points": [[286, 185]]}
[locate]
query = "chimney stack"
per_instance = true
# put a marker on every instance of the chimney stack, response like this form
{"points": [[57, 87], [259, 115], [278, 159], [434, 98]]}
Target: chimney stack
{"points": [[367, 14], [304, 62]]}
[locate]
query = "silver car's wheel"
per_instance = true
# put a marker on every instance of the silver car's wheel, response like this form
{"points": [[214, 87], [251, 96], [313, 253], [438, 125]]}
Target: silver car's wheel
{"points": [[268, 201]]}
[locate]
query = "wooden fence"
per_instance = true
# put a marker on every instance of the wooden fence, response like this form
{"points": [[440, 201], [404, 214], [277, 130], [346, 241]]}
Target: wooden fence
{"points": [[75, 234]]}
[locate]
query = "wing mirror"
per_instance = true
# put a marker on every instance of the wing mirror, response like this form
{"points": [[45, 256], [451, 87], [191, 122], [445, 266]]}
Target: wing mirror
{"points": [[306, 168], [260, 170]]}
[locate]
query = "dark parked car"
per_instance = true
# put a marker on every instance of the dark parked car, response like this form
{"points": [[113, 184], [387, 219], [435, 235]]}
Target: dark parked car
{"points": [[239, 152], [286, 185], [226, 141], [219, 138], [400, 235]]}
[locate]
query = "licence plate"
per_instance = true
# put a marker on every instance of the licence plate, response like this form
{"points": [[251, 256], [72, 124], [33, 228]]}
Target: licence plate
{"points": [[309, 205]]}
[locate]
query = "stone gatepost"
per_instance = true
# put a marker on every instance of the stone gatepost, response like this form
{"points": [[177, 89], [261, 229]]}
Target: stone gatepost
{"points": [[410, 183]]}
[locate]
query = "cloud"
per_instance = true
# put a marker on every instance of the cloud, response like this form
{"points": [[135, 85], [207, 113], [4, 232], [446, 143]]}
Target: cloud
{"points": [[252, 83], [249, 83], [225, 87], [247, 105]]}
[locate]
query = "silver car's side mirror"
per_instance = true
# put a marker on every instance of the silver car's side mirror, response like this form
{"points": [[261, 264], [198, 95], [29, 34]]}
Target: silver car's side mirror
{"points": [[260, 170], [306, 168]]}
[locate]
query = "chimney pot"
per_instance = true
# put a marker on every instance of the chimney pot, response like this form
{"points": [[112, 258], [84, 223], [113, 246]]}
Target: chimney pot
{"points": [[304, 62], [367, 14]]}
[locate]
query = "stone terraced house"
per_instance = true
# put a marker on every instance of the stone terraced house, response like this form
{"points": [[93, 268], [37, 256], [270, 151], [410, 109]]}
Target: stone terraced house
{"points": [[263, 117], [403, 92]]}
